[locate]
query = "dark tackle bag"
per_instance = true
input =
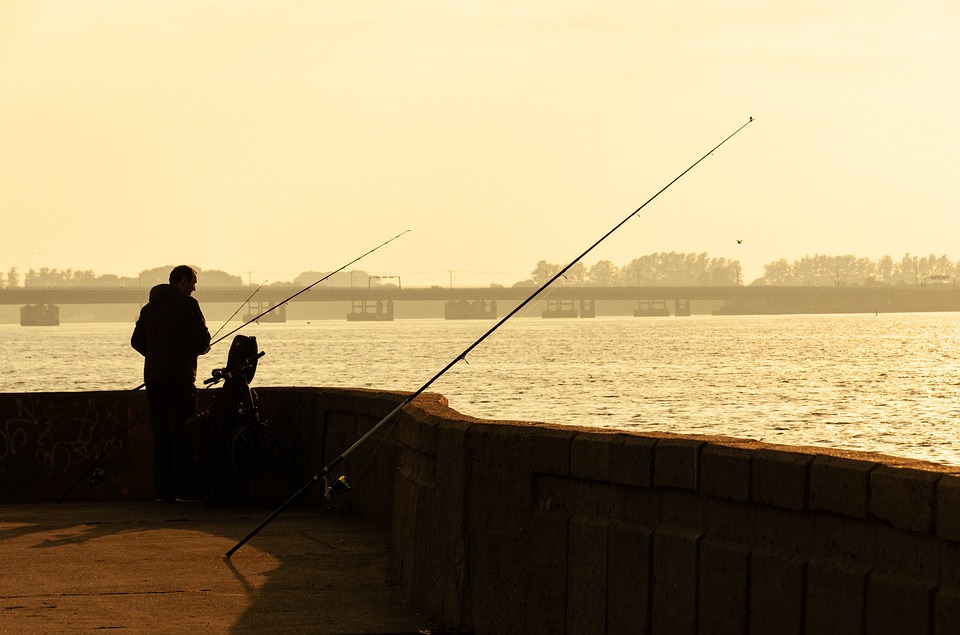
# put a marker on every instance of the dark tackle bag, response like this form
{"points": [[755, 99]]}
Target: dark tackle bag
{"points": [[224, 418], [243, 349]]}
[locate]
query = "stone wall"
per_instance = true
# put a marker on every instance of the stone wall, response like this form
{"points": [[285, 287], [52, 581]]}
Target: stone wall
{"points": [[541, 529], [48, 440], [50, 443], [511, 527]]}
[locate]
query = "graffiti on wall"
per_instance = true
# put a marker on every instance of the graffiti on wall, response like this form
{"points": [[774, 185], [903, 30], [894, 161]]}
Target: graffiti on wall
{"points": [[60, 433]]}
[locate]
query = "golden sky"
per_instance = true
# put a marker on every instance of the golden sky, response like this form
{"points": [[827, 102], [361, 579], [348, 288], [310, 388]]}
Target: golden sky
{"points": [[267, 138]]}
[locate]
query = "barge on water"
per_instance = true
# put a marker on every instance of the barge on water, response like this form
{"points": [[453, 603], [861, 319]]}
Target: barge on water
{"points": [[40, 315]]}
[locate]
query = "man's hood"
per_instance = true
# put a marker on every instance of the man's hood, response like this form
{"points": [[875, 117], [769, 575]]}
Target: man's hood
{"points": [[162, 293]]}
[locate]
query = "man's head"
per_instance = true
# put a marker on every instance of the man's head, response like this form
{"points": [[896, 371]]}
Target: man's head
{"points": [[184, 277]]}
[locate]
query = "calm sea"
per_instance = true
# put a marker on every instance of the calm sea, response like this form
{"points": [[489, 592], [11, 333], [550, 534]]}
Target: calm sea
{"points": [[885, 383]]}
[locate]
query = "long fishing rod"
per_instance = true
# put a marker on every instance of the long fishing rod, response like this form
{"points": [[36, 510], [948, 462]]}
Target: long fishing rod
{"points": [[339, 484], [305, 289]]}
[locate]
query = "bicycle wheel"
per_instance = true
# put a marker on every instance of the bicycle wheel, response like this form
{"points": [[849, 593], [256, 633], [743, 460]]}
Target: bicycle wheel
{"points": [[261, 465]]}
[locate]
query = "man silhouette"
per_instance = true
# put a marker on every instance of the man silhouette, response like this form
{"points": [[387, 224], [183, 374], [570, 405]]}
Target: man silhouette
{"points": [[171, 333]]}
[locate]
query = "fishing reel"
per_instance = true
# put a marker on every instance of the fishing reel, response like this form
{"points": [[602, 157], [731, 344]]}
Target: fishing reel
{"points": [[338, 486], [97, 476]]}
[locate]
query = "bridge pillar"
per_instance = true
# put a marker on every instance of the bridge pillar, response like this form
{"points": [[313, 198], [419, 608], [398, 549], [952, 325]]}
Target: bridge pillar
{"points": [[588, 308], [255, 308], [371, 311], [40, 315], [651, 308], [470, 310], [560, 309], [681, 307]]}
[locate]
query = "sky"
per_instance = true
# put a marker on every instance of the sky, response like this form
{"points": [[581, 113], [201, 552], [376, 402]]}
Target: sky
{"points": [[267, 138]]}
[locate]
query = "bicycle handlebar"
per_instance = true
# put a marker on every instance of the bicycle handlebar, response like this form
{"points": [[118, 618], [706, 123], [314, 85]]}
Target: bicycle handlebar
{"points": [[221, 373]]}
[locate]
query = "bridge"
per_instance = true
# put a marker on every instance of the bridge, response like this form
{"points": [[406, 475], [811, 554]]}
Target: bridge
{"points": [[565, 300]]}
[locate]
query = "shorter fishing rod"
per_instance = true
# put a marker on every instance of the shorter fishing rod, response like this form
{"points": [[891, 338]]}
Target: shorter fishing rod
{"points": [[227, 321], [280, 304], [249, 297], [340, 484], [96, 461], [305, 289]]}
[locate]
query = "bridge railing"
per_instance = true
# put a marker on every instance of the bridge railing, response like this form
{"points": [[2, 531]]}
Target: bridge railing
{"points": [[828, 296]]}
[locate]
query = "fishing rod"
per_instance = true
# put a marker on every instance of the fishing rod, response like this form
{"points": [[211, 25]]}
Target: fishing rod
{"points": [[249, 297], [280, 304], [340, 485], [92, 467], [305, 289]]}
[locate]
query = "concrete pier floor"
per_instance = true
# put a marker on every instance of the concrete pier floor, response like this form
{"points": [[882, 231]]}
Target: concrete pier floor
{"points": [[161, 568]]}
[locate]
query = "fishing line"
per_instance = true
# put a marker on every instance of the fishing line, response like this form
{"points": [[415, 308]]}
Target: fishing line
{"points": [[462, 356], [474, 268], [444, 250], [307, 288]]}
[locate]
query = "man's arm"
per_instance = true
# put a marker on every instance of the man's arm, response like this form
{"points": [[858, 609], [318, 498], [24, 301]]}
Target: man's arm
{"points": [[198, 329], [139, 338]]}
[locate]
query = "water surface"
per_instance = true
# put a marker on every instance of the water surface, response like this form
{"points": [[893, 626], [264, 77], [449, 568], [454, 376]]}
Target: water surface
{"points": [[885, 383]]}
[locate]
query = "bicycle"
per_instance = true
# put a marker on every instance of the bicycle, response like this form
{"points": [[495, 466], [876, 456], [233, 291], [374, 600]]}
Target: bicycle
{"points": [[245, 461]]}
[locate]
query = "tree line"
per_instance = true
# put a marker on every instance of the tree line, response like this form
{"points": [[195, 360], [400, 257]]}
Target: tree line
{"points": [[657, 269], [213, 278], [852, 271], [673, 269], [46, 277]]}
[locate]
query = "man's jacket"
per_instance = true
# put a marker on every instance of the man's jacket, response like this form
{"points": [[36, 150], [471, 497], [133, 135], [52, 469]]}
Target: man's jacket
{"points": [[170, 334]]}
